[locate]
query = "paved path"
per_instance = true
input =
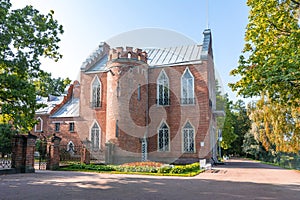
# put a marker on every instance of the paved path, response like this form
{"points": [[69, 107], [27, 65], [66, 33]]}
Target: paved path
{"points": [[238, 179]]}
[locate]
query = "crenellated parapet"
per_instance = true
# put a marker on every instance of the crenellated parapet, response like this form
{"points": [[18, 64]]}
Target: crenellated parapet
{"points": [[128, 53]]}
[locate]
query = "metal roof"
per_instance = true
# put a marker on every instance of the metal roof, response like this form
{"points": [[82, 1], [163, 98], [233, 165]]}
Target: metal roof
{"points": [[69, 109], [49, 102], [173, 55], [100, 65]]}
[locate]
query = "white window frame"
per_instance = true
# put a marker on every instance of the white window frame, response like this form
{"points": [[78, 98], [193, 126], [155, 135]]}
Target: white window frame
{"points": [[99, 136], [165, 83], [41, 124], [94, 85], [158, 137], [189, 98], [193, 138], [68, 146]]}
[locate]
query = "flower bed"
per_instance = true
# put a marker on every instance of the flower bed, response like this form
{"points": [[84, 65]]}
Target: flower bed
{"points": [[153, 168]]}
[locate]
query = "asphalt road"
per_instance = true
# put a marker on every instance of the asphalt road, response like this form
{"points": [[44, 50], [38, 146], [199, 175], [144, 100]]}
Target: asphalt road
{"points": [[238, 179]]}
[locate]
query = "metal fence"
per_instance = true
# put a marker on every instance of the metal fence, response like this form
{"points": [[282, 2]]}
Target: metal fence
{"points": [[69, 154], [5, 162]]}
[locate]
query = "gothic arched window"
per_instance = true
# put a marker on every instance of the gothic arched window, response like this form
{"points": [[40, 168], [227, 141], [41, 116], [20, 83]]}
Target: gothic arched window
{"points": [[188, 135], [163, 137], [96, 93], [187, 87], [39, 126], [95, 137], [163, 96]]}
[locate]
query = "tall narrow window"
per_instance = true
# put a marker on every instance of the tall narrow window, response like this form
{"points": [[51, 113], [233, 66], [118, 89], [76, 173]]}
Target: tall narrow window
{"points": [[57, 127], [71, 126], [188, 138], [95, 137], [39, 126], [139, 92], [187, 88], [117, 128], [163, 137], [96, 93], [163, 89]]}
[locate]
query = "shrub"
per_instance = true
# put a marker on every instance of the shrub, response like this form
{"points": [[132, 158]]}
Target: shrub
{"points": [[165, 169]]}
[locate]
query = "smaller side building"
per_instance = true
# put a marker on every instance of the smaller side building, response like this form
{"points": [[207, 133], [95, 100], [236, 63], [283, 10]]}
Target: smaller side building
{"points": [[59, 116]]}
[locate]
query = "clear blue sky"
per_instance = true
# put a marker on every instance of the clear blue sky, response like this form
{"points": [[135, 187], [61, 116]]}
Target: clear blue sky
{"points": [[87, 23]]}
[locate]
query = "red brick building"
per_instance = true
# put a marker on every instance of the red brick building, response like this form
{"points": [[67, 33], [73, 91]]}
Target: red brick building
{"points": [[59, 116], [143, 104]]}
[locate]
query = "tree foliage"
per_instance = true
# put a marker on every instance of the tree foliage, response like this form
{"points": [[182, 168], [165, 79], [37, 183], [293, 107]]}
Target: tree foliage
{"points": [[25, 36], [276, 127], [46, 85], [6, 134], [241, 127], [225, 123], [228, 136], [271, 56]]}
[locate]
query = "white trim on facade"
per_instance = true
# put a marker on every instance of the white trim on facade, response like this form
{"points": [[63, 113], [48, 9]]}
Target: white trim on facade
{"points": [[41, 122]]}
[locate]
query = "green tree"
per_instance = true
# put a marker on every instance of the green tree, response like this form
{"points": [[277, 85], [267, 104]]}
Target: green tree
{"points": [[277, 127], [270, 61], [46, 85], [250, 145], [6, 134], [241, 126], [228, 135], [25, 36]]}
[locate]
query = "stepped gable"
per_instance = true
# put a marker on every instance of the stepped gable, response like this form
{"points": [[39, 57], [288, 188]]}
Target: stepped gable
{"points": [[95, 56]]}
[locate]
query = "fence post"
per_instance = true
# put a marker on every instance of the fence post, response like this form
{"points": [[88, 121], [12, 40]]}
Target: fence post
{"points": [[53, 153], [18, 157], [109, 147], [85, 156], [23, 153], [30, 148]]}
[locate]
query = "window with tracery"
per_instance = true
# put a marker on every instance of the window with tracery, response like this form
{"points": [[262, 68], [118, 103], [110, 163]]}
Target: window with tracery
{"points": [[187, 87], [163, 96], [95, 137], [188, 134], [96, 93], [163, 137]]}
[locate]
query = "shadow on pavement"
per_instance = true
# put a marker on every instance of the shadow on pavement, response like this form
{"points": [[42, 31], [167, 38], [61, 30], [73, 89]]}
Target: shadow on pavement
{"points": [[76, 185]]}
